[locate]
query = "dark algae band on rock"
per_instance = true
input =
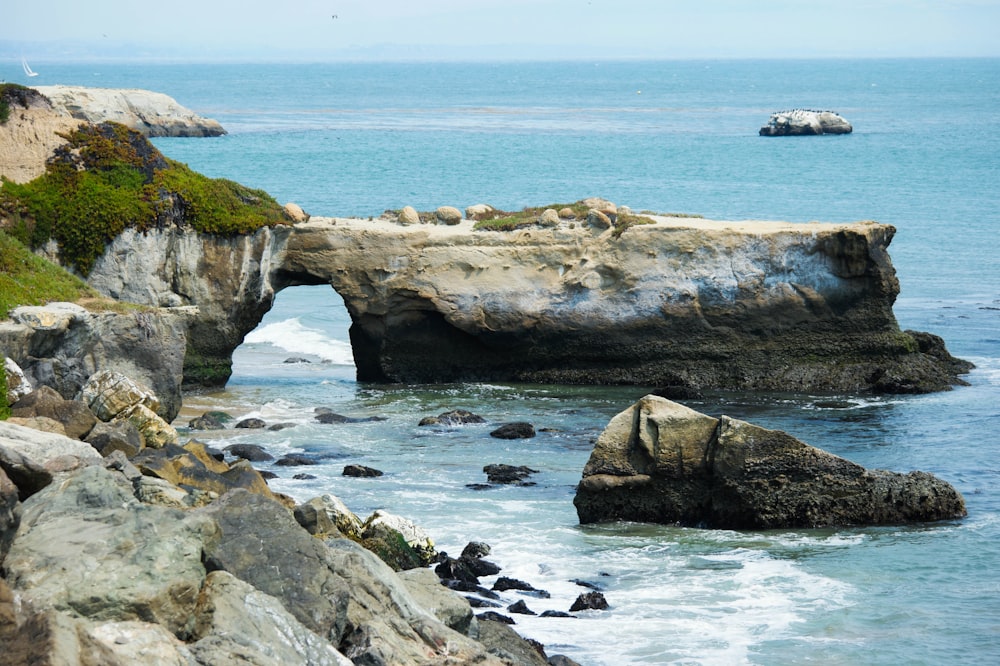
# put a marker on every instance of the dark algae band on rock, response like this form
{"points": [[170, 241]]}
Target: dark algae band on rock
{"points": [[661, 462]]}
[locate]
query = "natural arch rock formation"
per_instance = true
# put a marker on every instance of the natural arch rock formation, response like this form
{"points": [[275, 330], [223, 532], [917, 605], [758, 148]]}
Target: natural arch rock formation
{"points": [[682, 303]]}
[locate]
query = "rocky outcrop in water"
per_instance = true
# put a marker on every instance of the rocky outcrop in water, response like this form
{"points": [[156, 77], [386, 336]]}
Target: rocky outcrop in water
{"points": [[661, 462], [149, 113], [679, 302], [803, 122]]}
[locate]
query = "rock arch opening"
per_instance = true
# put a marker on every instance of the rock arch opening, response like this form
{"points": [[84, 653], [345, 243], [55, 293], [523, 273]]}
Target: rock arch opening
{"points": [[304, 333]]}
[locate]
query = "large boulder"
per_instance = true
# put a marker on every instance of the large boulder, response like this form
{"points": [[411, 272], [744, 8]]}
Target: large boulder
{"points": [[88, 547], [661, 462], [336, 589], [30, 456], [327, 515], [803, 122], [76, 418], [237, 624]]}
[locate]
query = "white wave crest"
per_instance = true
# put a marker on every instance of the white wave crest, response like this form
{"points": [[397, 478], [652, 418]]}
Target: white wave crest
{"points": [[292, 336]]}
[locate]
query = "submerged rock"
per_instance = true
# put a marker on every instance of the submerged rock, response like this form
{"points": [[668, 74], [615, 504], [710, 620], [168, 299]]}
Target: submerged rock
{"points": [[515, 430], [453, 417], [509, 474], [661, 462]]}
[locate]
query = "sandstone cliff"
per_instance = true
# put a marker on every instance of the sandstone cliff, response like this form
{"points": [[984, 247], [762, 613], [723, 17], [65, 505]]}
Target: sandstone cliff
{"points": [[147, 112], [30, 135]]}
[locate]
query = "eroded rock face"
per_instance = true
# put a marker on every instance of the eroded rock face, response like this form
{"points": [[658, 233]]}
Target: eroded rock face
{"points": [[228, 280], [661, 462], [61, 345], [691, 303]]}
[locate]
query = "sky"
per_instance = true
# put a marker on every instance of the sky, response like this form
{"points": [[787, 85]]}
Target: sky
{"points": [[497, 29]]}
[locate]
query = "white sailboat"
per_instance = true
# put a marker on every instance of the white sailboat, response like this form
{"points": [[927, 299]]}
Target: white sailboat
{"points": [[27, 69]]}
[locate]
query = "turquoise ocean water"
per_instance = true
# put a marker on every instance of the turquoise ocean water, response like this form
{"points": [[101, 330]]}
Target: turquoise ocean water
{"points": [[355, 139]]}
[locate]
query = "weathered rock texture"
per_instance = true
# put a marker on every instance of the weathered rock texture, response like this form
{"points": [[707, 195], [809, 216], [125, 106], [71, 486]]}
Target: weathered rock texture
{"points": [[679, 303], [803, 122], [98, 570], [697, 303], [149, 113], [61, 345], [228, 278], [661, 462]]}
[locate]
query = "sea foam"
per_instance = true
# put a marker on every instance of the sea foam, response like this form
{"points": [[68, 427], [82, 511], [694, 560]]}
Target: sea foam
{"points": [[292, 336]]}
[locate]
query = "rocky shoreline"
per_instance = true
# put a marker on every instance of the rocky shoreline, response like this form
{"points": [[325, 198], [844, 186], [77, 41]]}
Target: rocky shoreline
{"points": [[145, 549]]}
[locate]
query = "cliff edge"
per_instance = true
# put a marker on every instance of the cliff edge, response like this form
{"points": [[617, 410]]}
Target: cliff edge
{"points": [[149, 113]]}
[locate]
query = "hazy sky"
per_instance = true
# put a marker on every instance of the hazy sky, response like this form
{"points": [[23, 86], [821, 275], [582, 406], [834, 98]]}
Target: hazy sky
{"points": [[465, 29]]}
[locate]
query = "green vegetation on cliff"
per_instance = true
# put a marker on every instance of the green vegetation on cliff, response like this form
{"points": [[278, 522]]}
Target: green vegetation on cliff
{"points": [[107, 178], [498, 220], [12, 94], [27, 279]]}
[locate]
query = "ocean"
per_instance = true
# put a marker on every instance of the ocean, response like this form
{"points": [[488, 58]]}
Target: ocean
{"points": [[354, 139]]}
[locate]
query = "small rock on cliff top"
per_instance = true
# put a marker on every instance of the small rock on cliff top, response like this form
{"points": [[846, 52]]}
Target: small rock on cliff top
{"points": [[661, 462], [149, 113], [802, 122]]}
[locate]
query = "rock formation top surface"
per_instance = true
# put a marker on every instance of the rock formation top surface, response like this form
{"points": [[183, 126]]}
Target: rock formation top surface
{"points": [[147, 112]]}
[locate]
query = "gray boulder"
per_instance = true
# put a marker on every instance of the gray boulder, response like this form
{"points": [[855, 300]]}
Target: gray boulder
{"points": [[44, 451], [661, 462], [262, 544], [87, 546], [236, 624], [450, 608], [118, 436]]}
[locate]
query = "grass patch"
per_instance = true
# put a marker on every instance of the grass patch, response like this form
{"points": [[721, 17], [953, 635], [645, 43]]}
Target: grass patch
{"points": [[107, 178], [624, 222], [501, 220], [692, 215], [27, 279]]}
